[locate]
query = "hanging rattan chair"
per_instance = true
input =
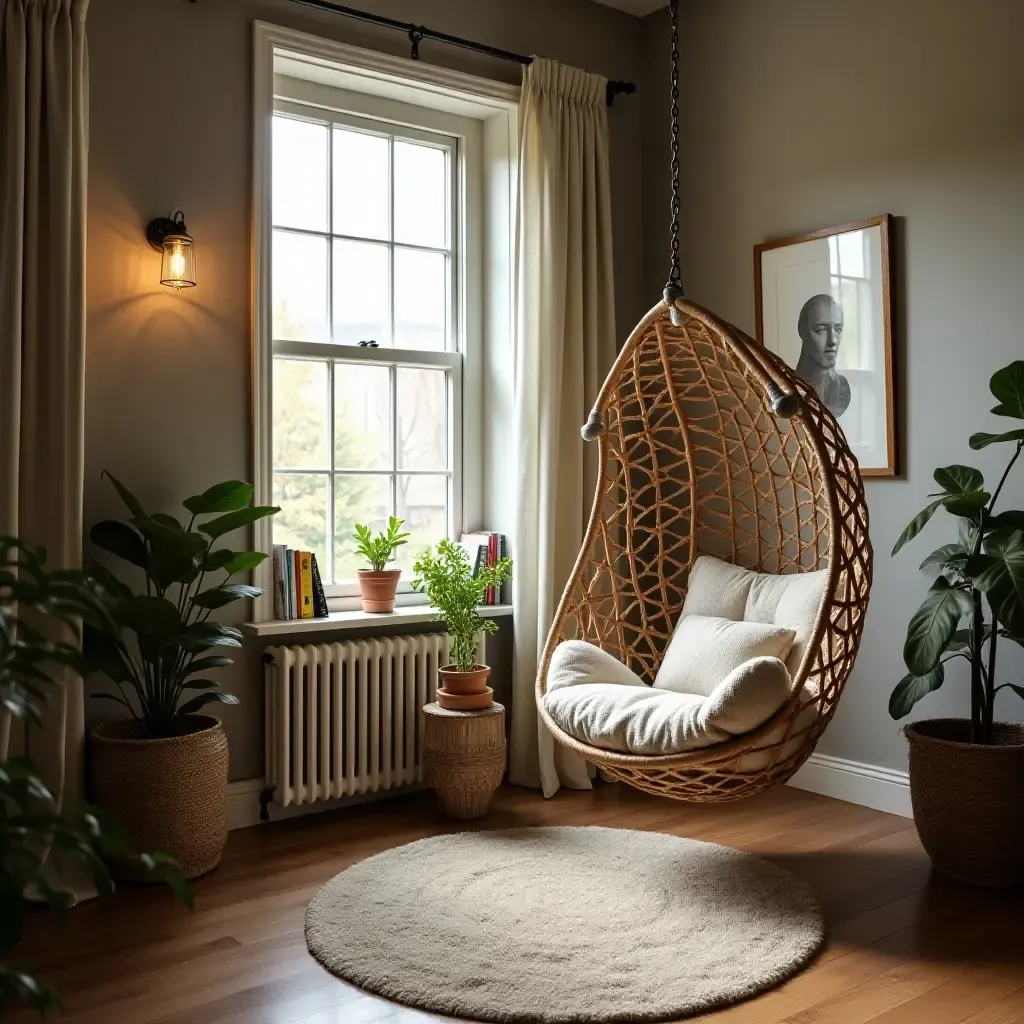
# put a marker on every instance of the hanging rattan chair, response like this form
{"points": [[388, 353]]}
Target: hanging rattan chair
{"points": [[710, 444]]}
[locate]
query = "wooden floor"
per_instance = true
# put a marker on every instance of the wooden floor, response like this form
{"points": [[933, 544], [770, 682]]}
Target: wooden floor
{"points": [[904, 946]]}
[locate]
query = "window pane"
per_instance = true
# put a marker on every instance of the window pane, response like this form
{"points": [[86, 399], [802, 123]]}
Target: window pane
{"points": [[300, 174], [363, 499], [362, 416], [421, 299], [299, 287], [361, 304], [422, 501], [360, 184], [422, 419], [421, 194], [301, 404], [302, 522]]}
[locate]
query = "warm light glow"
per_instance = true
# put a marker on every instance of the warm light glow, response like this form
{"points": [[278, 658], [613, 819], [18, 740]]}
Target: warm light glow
{"points": [[179, 262]]}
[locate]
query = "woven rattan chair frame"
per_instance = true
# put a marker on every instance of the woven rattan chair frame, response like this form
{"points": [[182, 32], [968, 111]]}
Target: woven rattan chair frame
{"points": [[693, 460]]}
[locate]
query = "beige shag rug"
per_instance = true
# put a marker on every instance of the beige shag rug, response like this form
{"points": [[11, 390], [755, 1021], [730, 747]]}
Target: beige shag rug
{"points": [[564, 924]]}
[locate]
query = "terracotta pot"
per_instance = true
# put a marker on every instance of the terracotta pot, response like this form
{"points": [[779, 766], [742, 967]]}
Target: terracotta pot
{"points": [[170, 795], [378, 589], [455, 681], [967, 799], [465, 701]]}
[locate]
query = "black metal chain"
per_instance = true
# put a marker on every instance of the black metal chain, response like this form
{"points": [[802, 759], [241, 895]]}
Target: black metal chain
{"points": [[674, 285]]}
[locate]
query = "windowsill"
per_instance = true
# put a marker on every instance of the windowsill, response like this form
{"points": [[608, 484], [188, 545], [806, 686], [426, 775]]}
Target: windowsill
{"points": [[353, 621]]}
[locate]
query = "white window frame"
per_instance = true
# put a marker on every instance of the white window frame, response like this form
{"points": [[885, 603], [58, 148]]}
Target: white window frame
{"points": [[317, 72]]}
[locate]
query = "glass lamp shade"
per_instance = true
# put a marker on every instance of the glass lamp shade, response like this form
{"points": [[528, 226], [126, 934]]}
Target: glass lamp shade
{"points": [[178, 268]]}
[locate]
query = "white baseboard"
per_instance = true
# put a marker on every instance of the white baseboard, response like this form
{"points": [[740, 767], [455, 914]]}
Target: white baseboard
{"points": [[870, 785], [244, 803]]}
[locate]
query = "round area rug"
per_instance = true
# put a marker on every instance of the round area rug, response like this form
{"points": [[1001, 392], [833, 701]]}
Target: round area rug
{"points": [[564, 924]]}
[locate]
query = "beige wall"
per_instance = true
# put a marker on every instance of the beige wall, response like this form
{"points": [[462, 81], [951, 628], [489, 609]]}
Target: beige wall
{"points": [[798, 114], [168, 375]]}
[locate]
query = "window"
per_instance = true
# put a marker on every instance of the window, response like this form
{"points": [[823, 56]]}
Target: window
{"points": [[367, 347]]}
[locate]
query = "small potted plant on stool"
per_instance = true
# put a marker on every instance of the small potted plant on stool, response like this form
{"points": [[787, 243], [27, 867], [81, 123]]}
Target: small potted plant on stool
{"points": [[446, 577], [378, 585]]}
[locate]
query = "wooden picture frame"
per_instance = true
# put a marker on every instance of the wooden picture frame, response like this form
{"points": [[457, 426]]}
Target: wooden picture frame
{"points": [[823, 303]]}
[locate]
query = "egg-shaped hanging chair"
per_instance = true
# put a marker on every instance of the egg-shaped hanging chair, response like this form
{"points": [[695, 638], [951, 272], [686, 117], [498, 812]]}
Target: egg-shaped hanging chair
{"points": [[709, 445]]}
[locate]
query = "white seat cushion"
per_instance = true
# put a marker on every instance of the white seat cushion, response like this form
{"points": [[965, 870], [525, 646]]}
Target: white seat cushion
{"points": [[601, 702], [791, 600], [704, 649]]}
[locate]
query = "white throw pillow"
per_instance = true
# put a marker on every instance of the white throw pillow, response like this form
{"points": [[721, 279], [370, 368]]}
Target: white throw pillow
{"points": [[575, 662], [705, 649], [791, 599], [635, 719]]}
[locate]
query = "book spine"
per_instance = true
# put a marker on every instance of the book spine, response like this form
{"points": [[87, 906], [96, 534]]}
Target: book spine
{"points": [[306, 584], [502, 553], [280, 609], [289, 583], [296, 586], [481, 560], [319, 598], [492, 558]]}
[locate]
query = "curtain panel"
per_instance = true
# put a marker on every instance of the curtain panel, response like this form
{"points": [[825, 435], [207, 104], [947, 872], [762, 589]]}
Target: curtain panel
{"points": [[565, 345], [44, 107]]}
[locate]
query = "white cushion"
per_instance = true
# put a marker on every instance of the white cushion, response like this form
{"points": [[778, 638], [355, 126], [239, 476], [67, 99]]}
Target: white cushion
{"points": [[630, 717], [726, 590], [704, 649], [574, 662]]}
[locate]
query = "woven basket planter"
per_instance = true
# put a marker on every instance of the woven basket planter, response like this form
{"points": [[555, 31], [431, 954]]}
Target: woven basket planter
{"points": [[170, 795], [967, 800]]}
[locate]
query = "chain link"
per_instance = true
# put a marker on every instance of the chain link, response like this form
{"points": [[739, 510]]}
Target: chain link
{"points": [[675, 277]]}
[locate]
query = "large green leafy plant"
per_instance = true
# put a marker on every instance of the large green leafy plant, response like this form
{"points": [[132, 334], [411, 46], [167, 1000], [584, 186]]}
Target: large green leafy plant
{"points": [[35, 839], [157, 653], [983, 567], [446, 577], [379, 548]]}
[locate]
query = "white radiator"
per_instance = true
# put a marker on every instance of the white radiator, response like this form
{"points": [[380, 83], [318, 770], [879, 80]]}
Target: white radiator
{"points": [[344, 718]]}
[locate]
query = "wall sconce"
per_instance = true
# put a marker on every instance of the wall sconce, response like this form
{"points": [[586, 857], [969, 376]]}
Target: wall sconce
{"points": [[168, 235]]}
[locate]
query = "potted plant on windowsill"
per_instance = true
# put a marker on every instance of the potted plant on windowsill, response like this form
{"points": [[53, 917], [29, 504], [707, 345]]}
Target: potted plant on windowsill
{"points": [[378, 585], [446, 577], [163, 771], [967, 776]]}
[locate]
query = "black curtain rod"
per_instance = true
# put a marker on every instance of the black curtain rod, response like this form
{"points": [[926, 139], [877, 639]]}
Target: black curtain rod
{"points": [[417, 33]]}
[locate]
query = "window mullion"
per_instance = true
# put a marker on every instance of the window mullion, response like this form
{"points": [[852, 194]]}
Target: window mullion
{"points": [[394, 440], [331, 370]]}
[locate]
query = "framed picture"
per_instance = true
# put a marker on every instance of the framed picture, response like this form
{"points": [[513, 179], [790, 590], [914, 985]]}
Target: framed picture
{"points": [[823, 305]]}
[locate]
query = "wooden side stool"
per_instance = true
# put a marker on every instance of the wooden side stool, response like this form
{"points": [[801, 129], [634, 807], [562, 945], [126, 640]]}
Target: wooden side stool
{"points": [[464, 757]]}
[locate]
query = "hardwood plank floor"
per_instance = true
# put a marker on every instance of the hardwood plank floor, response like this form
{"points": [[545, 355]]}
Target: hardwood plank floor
{"points": [[904, 946]]}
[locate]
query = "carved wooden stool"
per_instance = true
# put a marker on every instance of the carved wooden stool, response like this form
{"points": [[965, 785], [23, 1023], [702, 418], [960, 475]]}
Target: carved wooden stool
{"points": [[464, 757]]}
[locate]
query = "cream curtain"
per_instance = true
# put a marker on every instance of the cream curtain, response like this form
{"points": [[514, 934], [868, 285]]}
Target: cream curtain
{"points": [[44, 106], [565, 345]]}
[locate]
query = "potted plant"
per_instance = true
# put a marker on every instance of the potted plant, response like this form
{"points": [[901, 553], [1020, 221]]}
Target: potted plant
{"points": [[37, 839], [163, 770], [448, 581], [967, 776], [378, 585]]}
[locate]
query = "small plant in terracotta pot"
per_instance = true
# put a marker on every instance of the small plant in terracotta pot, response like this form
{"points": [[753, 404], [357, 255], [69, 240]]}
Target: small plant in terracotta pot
{"points": [[378, 585], [446, 577], [966, 776]]}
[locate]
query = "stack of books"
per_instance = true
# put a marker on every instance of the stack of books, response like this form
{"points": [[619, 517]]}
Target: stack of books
{"points": [[298, 590], [485, 549]]}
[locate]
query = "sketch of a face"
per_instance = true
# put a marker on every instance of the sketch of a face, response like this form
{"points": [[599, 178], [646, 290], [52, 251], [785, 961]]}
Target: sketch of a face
{"points": [[820, 327]]}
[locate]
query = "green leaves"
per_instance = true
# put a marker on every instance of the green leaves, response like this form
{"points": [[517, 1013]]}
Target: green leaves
{"points": [[226, 497], [379, 549], [979, 441], [190, 707], [917, 524], [958, 479], [121, 540], [236, 520], [933, 626], [153, 617], [1000, 576], [1007, 385], [949, 556], [217, 597], [910, 689]]}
